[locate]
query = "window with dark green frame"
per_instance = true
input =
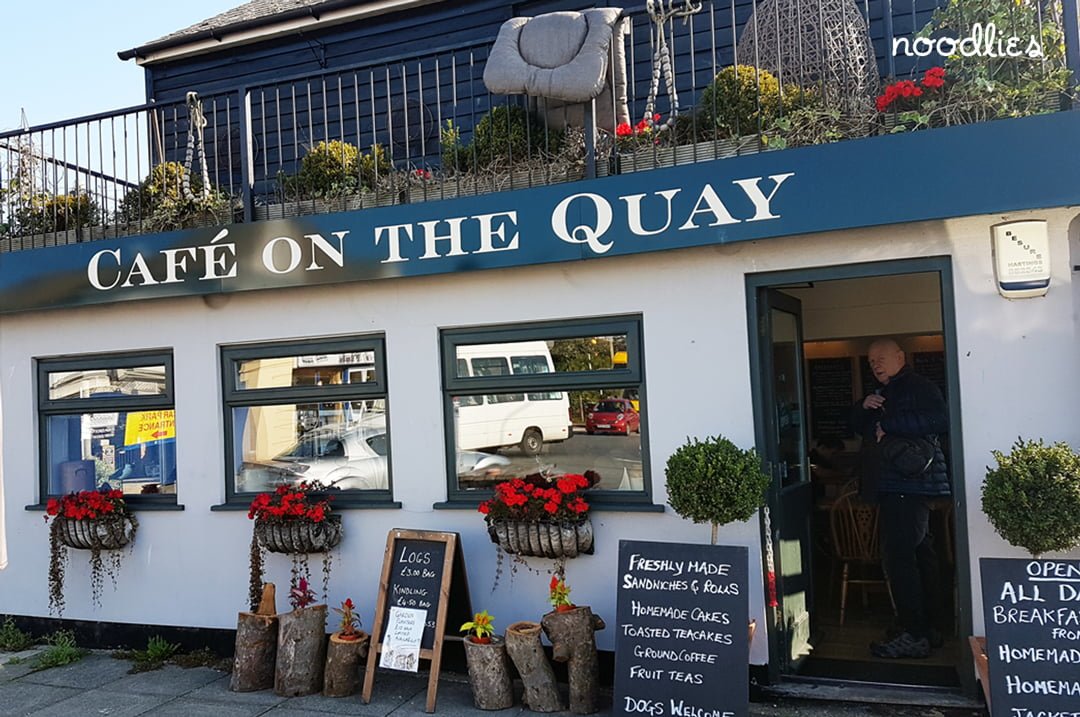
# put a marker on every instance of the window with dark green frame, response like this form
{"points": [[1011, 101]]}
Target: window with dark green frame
{"points": [[311, 411], [556, 397], [108, 421]]}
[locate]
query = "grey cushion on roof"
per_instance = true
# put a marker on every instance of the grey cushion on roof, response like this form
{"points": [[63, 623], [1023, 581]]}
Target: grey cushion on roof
{"points": [[563, 57]]}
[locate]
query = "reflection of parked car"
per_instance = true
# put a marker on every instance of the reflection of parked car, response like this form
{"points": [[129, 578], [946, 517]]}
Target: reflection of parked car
{"points": [[349, 459], [613, 415]]}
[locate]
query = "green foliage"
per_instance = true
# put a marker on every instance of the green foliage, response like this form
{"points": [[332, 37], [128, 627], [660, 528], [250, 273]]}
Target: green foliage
{"points": [[12, 639], [159, 204], [715, 481], [157, 653], [986, 87], [816, 124], [62, 650], [330, 169], [337, 169], [742, 99], [507, 134], [1033, 497], [55, 213]]}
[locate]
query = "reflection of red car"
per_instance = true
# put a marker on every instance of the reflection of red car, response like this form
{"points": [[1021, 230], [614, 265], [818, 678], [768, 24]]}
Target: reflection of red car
{"points": [[613, 415]]}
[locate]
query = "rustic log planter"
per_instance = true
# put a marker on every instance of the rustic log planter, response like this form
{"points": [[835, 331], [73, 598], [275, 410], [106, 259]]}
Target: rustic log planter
{"points": [[543, 539], [489, 673], [573, 641], [256, 651], [93, 534], [256, 646], [301, 652], [299, 536], [524, 648], [343, 656]]}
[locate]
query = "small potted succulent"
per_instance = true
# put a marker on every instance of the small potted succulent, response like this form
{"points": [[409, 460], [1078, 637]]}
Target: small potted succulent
{"points": [[347, 647], [489, 668]]}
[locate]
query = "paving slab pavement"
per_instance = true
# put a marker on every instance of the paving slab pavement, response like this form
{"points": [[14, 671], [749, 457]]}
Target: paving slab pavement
{"points": [[100, 685]]}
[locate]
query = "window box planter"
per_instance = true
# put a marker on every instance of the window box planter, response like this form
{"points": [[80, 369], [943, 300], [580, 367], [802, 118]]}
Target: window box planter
{"points": [[93, 534], [299, 536], [543, 539]]}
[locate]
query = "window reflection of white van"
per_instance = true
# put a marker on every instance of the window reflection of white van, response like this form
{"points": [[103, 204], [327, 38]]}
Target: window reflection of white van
{"points": [[526, 420]]}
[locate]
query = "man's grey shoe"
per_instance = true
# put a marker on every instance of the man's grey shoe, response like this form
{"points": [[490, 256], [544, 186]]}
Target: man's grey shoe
{"points": [[903, 645]]}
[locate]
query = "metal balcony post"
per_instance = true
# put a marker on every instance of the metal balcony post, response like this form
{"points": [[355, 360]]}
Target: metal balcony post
{"points": [[1071, 18], [247, 180], [590, 140]]}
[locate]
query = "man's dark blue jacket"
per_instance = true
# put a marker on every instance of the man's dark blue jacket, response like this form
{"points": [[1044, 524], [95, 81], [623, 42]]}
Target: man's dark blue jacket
{"points": [[913, 407]]}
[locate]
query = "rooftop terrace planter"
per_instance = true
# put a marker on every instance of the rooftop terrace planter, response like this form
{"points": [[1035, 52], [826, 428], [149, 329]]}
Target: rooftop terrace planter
{"points": [[652, 157]]}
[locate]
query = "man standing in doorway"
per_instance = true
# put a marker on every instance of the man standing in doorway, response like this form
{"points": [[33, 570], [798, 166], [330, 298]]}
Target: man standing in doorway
{"points": [[906, 405]]}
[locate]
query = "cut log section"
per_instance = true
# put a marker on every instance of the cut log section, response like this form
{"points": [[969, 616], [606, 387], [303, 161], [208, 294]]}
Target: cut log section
{"points": [[573, 641], [256, 650], [524, 648], [342, 673], [301, 652], [489, 674]]}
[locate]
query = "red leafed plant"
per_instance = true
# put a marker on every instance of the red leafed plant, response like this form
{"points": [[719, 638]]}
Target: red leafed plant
{"points": [[644, 133], [291, 502], [301, 595], [105, 523], [536, 498]]}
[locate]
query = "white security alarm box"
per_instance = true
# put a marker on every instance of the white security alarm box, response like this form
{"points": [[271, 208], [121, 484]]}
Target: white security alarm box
{"points": [[1021, 258]]}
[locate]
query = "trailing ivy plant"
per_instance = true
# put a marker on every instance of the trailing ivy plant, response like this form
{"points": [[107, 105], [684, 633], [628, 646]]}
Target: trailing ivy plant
{"points": [[1032, 498], [714, 481]]}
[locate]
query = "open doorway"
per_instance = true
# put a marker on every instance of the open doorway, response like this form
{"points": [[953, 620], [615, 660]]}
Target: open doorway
{"points": [[831, 594]]}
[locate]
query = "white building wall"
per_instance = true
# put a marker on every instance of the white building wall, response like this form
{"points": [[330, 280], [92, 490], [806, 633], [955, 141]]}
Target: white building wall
{"points": [[1017, 363]]}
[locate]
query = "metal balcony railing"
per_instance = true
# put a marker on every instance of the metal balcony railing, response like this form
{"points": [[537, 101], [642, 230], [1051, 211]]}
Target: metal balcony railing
{"points": [[748, 77]]}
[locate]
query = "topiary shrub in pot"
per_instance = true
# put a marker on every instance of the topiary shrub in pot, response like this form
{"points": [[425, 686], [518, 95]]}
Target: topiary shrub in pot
{"points": [[1032, 498], [743, 99], [510, 134], [714, 481]]}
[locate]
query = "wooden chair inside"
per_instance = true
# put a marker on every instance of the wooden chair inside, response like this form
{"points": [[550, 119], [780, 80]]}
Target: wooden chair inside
{"points": [[855, 542]]}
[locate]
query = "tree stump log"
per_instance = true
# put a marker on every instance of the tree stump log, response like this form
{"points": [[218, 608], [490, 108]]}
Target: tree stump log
{"points": [[342, 673], [301, 652], [523, 645], [573, 641], [256, 650], [489, 674]]}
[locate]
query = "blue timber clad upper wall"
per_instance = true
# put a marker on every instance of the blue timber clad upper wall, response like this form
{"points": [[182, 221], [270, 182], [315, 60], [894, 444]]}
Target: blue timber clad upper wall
{"points": [[466, 22]]}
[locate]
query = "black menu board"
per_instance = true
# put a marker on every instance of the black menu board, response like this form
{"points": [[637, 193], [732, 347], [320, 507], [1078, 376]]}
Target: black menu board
{"points": [[931, 364], [1032, 613], [681, 636], [830, 381]]}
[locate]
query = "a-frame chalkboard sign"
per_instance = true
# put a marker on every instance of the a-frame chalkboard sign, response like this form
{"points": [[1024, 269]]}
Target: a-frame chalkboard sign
{"points": [[421, 569]]}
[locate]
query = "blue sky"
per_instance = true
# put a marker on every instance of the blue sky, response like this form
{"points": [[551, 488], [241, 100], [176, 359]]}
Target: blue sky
{"points": [[60, 55]]}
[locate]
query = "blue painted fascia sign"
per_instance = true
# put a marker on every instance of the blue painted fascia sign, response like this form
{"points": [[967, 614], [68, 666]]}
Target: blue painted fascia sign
{"points": [[993, 167]]}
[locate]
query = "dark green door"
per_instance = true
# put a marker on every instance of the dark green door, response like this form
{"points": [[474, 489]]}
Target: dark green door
{"points": [[784, 446]]}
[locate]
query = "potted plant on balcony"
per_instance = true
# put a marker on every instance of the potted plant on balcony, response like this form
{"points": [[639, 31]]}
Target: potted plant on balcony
{"points": [[293, 520], [348, 646], [172, 197], [489, 670], [535, 516], [335, 176], [1032, 499], [93, 520]]}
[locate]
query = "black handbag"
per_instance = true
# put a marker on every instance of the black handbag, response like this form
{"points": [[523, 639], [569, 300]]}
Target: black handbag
{"points": [[911, 456]]}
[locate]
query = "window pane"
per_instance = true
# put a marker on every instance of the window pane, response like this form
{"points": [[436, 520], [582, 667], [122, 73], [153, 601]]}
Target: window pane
{"points": [[128, 381], [132, 451], [341, 445], [533, 434], [310, 370], [588, 353]]}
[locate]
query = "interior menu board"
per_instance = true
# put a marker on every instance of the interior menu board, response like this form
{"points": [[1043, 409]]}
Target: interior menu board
{"points": [[931, 364], [830, 381], [1032, 614], [681, 639]]}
